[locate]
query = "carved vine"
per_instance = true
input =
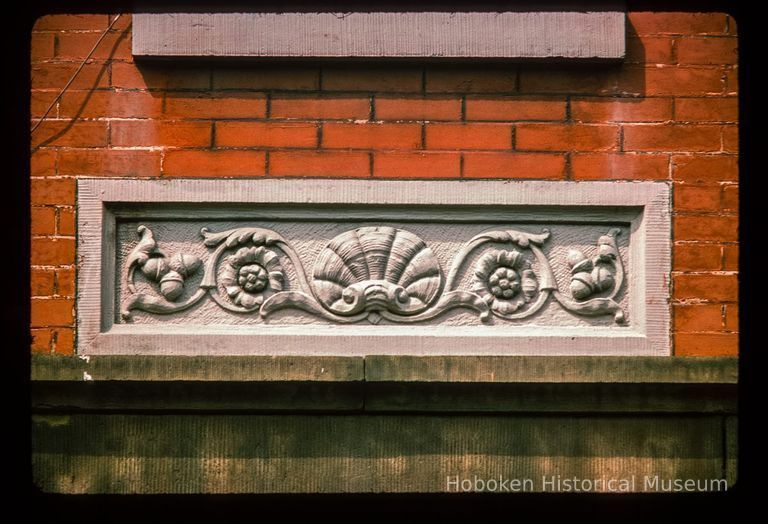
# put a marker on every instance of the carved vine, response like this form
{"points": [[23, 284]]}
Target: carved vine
{"points": [[376, 272]]}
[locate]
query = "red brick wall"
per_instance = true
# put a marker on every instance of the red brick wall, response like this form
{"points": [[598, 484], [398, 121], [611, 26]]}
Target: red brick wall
{"points": [[669, 112]]}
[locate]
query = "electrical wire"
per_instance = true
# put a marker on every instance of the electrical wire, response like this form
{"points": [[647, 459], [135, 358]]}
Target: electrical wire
{"points": [[77, 71]]}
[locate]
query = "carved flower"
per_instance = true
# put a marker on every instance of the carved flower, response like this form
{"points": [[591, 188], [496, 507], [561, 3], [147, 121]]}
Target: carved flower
{"points": [[504, 280], [249, 273]]}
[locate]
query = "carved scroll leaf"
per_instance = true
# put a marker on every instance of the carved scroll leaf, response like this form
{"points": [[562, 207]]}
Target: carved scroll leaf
{"points": [[522, 239]]}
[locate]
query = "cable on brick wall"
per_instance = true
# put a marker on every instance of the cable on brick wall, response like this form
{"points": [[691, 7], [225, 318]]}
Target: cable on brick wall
{"points": [[77, 71]]}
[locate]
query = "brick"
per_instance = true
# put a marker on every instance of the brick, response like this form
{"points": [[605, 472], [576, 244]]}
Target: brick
{"points": [[41, 340], [156, 76], [109, 162], [71, 23], [697, 198], [515, 109], [70, 134], [76, 46], [566, 137], [718, 288], [648, 23], [471, 79], [46, 312], [66, 225], [672, 138], [212, 164], [371, 136], [698, 318], [320, 107], [41, 46], [43, 162], [732, 81], [124, 22], [217, 105], [64, 341], [730, 200], [391, 79], [706, 345], [43, 221], [723, 229], [683, 81], [55, 76], [469, 136], [418, 108], [110, 104], [39, 103], [41, 282], [52, 191], [731, 258], [536, 166], [707, 109], [65, 282], [649, 50], [707, 51], [593, 80], [732, 317], [417, 165], [266, 134], [731, 139], [259, 77], [696, 257], [619, 166], [136, 133], [621, 109], [336, 164], [52, 251], [705, 168]]}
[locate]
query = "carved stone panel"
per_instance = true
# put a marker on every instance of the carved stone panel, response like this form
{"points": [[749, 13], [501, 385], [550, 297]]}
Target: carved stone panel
{"points": [[364, 267]]}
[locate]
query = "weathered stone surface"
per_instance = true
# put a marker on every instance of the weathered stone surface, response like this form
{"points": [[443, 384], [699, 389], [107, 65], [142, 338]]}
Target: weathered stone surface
{"points": [[99, 453], [197, 368], [389, 368], [561, 369], [433, 35]]}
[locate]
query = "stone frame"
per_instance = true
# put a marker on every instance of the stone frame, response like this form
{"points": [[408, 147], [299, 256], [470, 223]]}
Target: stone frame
{"points": [[588, 34], [645, 205]]}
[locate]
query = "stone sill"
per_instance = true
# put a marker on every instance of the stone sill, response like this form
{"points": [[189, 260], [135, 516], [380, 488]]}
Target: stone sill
{"points": [[389, 368], [436, 384]]}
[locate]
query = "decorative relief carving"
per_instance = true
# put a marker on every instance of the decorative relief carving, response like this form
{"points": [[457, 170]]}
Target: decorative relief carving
{"points": [[377, 272]]}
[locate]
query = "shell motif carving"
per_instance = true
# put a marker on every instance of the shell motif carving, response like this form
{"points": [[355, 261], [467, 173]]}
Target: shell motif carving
{"points": [[376, 268]]}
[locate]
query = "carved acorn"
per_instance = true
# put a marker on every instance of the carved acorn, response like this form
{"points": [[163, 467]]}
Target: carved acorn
{"points": [[185, 265], [574, 257], [602, 277], [172, 285], [155, 268], [582, 285]]}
